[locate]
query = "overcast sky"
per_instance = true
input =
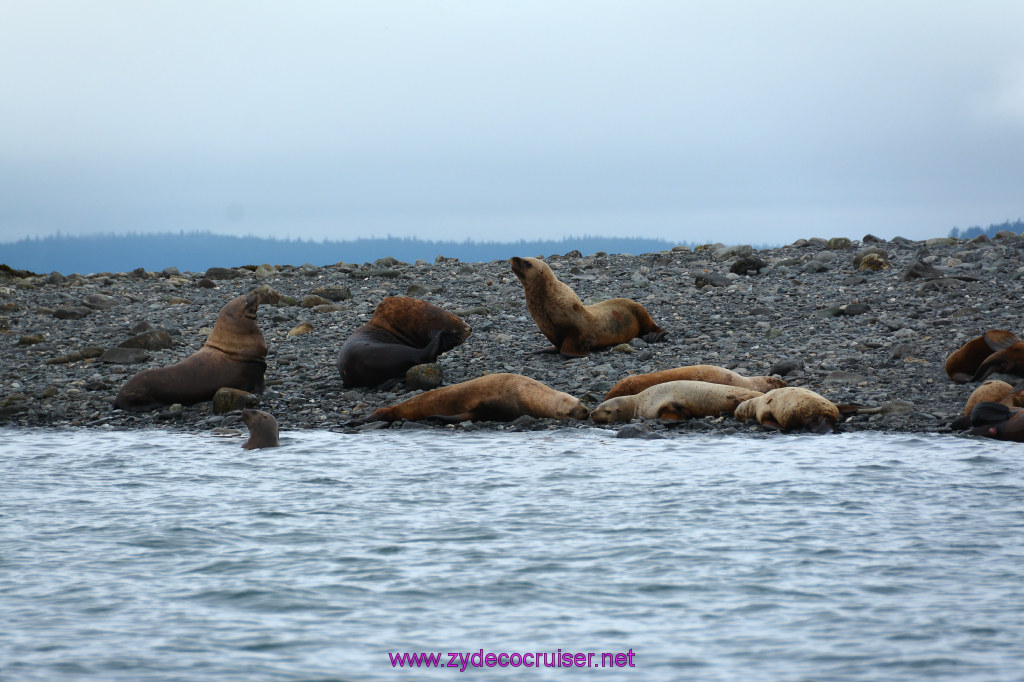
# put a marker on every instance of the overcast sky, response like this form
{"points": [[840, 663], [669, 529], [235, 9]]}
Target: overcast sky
{"points": [[726, 120]]}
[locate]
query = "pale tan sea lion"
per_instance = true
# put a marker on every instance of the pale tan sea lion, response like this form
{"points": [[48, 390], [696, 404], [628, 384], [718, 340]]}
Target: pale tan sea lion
{"points": [[673, 400], [263, 430], [790, 408], [403, 332], [234, 355], [492, 397], [971, 361], [709, 373], [576, 329]]}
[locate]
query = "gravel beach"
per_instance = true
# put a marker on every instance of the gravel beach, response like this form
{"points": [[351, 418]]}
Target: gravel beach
{"points": [[867, 322]]}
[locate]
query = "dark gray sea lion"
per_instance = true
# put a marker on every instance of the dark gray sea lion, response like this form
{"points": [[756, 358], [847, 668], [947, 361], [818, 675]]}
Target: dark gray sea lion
{"points": [[263, 430], [576, 329], [402, 333], [234, 355], [492, 397]]}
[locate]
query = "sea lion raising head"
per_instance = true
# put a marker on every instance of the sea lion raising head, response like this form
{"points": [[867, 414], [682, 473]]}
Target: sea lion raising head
{"points": [[492, 397], [576, 329], [234, 356], [403, 332], [263, 430]]}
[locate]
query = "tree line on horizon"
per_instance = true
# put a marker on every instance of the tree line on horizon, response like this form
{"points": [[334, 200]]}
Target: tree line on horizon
{"points": [[197, 251], [990, 231]]}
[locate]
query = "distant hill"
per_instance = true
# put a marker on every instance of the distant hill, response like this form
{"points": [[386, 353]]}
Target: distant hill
{"points": [[972, 232], [197, 251]]}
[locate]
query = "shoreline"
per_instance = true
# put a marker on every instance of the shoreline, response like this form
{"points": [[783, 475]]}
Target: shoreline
{"points": [[814, 312]]}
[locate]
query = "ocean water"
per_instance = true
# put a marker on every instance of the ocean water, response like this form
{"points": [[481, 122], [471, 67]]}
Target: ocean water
{"points": [[167, 556]]}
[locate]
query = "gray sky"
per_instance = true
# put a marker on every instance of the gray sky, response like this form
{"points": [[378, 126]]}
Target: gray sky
{"points": [[726, 120]]}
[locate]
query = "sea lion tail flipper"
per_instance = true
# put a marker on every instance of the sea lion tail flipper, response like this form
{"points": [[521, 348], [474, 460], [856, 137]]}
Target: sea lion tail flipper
{"points": [[822, 426], [772, 424], [994, 363], [847, 408], [389, 383], [655, 336], [575, 348], [549, 349], [989, 413], [998, 339]]}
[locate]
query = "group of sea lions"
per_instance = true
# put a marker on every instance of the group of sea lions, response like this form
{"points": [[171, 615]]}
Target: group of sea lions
{"points": [[993, 410], [404, 332]]}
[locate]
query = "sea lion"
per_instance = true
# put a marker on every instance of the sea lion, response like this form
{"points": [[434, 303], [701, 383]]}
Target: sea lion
{"points": [[576, 329], [974, 360], [674, 400], [999, 421], [790, 408], [709, 373], [993, 391], [234, 355], [263, 430], [492, 397], [402, 333]]}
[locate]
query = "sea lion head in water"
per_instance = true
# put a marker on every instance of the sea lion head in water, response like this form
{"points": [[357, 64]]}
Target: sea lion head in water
{"points": [[263, 430], [576, 329], [492, 397], [984, 355], [403, 332], [234, 356], [674, 401]]}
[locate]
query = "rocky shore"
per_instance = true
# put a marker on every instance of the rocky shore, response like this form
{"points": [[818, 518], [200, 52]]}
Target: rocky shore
{"points": [[867, 322]]}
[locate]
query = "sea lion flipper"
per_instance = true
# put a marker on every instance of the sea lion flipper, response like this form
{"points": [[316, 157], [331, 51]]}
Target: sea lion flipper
{"points": [[674, 411], [998, 339], [989, 413], [655, 336], [541, 351]]}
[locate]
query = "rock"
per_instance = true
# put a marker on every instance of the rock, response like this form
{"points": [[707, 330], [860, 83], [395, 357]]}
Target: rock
{"points": [[837, 243], [853, 280], [624, 348], [124, 356], [855, 308], [31, 339], [71, 312], [265, 271], [333, 293], [891, 407], [871, 239], [99, 302], [641, 431], [221, 273], [170, 272], [424, 377], [747, 265], [869, 251], [301, 329], [729, 252], [939, 241], [157, 339], [872, 262], [920, 269], [268, 295], [840, 377], [786, 366], [311, 301], [711, 280], [231, 399], [814, 266], [206, 283]]}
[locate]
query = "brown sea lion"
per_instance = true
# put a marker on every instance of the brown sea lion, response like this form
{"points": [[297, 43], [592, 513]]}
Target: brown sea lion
{"points": [[790, 408], [492, 397], [234, 355], [973, 361], [673, 400], [402, 333], [709, 373], [576, 329], [263, 430]]}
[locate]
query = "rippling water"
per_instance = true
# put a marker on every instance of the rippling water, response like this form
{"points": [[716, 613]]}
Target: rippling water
{"points": [[147, 555]]}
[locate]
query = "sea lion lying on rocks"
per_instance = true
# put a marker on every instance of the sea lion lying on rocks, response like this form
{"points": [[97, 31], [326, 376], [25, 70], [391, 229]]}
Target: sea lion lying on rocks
{"points": [[402, 333], [492, 397], [790, 408], [997, 350], [673, 400], [234, 355], [263, 430], [709, 373], [576, 329]]}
